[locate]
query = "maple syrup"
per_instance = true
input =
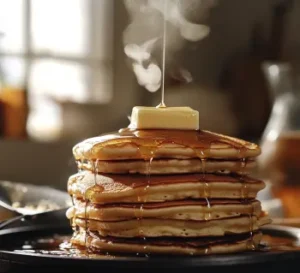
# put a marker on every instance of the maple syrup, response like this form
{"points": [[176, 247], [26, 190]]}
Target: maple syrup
{"points": [[279, 164], [251, 246], [148, 142], [207, 250], [200, 141], [203, 161], [245, 195], [207, 214], [87, 197], [147, 153]]}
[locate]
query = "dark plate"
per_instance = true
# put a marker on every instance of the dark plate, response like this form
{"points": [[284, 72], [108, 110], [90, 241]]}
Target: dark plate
{"points": [[14, 260]]}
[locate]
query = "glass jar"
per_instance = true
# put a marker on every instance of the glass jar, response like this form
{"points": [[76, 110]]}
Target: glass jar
{"points": [[279, 163]]}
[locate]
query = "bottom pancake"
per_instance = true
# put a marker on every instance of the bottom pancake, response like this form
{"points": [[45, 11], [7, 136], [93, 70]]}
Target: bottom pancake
{"points": [[169, 246]]}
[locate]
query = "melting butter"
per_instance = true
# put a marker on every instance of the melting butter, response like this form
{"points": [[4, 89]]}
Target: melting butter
{"points": [[180, 118]]}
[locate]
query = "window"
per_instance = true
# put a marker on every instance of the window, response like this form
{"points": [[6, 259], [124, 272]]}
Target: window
{"points": [[62, 49]]}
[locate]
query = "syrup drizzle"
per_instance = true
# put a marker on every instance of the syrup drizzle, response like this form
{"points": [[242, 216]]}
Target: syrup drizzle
{"points": [[87, 197], [139, 217], [79, 164], [202, 157], [147, 153], [245, 196], [80, 161], [149, 141], [87, 202], [192, 139], [251, 245], [202, 154], [73, 219], [207, 250], [207, 214]]}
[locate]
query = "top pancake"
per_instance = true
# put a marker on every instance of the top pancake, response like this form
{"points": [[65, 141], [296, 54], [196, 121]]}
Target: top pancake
{"points": [[181, 144]]}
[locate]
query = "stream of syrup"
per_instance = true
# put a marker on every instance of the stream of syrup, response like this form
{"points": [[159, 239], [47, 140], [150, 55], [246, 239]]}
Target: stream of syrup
{"points": [[164, 45]]}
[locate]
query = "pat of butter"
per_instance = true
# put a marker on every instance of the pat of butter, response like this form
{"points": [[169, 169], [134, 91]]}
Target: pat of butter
{"points": [[181, 118]]}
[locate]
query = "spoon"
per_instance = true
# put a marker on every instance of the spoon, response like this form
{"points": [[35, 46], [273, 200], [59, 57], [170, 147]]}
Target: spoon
{"points": [[29, 200]]}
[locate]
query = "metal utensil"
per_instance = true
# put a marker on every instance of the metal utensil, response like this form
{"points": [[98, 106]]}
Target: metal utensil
{"points": [[46, 219], [28, 199]]}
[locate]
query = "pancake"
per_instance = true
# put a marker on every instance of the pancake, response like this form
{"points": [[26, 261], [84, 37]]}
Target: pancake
{"points": [[144, 144], [159, 188], [181, 210], [168, 166], [165, 192], [168, 246], [152, 227]]}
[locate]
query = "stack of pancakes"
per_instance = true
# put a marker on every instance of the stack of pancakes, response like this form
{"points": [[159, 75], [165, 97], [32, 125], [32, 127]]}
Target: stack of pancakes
{"points": [[165, 192]]}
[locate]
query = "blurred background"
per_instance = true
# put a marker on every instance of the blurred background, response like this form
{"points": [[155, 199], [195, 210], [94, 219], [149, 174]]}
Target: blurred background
{"points": [[64, 77]]}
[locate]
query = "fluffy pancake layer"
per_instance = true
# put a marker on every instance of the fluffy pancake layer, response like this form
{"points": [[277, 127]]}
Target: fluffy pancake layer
{"points": [[168, 166], [198, 210], [102, 189], [140, 144], [153, 227], [168, 246]]}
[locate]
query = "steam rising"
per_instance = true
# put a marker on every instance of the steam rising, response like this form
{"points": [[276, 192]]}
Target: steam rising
{"points": [[143, 38]]}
